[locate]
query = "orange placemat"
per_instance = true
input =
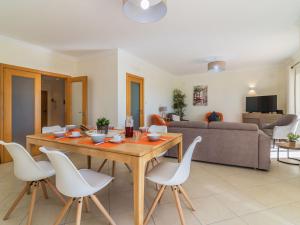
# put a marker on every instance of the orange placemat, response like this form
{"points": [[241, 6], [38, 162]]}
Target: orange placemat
{"points": [[144, 140], [64, 139], [91, 143]]}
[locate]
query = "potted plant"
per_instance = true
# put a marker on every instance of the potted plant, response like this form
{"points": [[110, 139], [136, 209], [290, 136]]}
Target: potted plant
{"points": [[102, 125], [179, 102], [293, 138]]}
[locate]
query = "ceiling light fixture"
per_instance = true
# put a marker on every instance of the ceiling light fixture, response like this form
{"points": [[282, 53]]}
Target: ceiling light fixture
{"points": [[145, 11], [216, 66]]}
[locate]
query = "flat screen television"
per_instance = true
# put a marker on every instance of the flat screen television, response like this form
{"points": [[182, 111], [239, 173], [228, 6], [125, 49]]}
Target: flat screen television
{"points": [[263, 104]]}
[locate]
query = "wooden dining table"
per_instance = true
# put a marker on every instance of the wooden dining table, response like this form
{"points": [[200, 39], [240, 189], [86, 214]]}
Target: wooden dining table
{"points": [[135, 153]]}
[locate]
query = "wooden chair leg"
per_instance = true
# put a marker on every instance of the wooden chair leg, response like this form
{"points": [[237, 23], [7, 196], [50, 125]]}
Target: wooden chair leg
{"points": [[64, 211], [16, 202], [154, 204], [178, 205], [152, 163], [102, 165], [113, 168], [29, 187], [156, 160], [147, 167], [86, 204], [44, 189], [32, 203], [79, 211], [102, 209], [186, 197], [128, 167], [161, 195], [55, 191]]}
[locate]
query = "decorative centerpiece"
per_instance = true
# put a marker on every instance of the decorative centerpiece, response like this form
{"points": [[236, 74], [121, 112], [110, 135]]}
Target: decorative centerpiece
{"points": [[102, 125], [293, 138]]}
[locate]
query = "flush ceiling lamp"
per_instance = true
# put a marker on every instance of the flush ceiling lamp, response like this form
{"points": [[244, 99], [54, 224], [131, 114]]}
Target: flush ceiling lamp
{"points": [[216, 66], [145, 11]]}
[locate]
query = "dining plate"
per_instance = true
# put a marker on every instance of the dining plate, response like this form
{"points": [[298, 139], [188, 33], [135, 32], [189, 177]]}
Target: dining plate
{"points": [[116, 142], [71, 136]]}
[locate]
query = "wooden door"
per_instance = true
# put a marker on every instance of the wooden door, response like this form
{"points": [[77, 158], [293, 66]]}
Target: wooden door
{"points": [[76, 100], [21, 106], [135, 99]]}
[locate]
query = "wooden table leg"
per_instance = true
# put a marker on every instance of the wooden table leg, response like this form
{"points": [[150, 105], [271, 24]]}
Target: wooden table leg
{"points": [[180, 152], [138, 170], [28, 147], [89, 162]]}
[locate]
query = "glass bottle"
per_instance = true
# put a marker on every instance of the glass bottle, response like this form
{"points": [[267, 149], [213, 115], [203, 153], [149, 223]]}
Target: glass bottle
{"points": [[129, 127]]}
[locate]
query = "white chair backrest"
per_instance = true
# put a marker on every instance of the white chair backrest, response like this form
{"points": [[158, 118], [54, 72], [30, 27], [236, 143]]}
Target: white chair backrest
{"points": [[47, 130], [158, 129], [25, 167], [68, 179], [295, 125], [183, 171]]}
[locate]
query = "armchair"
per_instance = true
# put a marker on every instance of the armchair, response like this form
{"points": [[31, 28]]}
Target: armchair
{"points": [[282, 127]]}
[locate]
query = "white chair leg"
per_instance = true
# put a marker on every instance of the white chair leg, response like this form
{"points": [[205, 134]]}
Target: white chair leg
{"points": [[186, 197], [18, 199], [154, 204], [102, 209], [178, 205]]}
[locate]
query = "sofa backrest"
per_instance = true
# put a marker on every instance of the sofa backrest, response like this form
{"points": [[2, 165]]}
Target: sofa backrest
{"points": [[189, 124], [233, 126]]}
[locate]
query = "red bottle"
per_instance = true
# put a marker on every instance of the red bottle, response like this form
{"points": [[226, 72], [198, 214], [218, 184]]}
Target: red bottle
{"points": [[129, 127]]}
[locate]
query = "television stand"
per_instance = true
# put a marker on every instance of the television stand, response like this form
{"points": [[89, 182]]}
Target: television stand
{"points": [[261, 119]]}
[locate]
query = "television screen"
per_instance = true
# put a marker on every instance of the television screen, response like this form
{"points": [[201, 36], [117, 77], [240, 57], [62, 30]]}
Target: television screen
{"points": [[264, 104]]}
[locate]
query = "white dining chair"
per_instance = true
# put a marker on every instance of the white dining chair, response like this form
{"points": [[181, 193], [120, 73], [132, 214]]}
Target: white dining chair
{"points": [[34, 173], [161, 130], [173, 175], [79, 185]]}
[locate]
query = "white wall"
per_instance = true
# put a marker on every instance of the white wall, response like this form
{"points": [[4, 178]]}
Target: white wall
{"points": [[19, 53], [158, 85], [227, 90], [102, 71]]}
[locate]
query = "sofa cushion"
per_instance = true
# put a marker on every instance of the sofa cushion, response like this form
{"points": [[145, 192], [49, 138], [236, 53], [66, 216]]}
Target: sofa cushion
{"points": [[232, 126], [188, 124]]}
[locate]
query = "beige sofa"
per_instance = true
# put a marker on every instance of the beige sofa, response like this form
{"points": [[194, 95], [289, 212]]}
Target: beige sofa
{"points": [[237, 144]]}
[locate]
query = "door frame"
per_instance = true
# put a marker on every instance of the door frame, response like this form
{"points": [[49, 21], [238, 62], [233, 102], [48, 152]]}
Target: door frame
{"points": [[68, 89], [1, 111], [8, 73], [137, 79]]}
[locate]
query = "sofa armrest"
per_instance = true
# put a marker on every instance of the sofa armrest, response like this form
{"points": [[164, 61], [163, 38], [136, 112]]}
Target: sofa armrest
{"points": [[264, 148]]}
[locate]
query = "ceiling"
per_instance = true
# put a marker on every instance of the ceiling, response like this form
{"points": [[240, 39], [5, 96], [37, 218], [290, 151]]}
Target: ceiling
{"points": [[244, 33]]}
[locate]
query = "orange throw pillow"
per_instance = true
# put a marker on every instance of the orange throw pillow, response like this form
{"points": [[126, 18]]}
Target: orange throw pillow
{"points": [[157, 120]]}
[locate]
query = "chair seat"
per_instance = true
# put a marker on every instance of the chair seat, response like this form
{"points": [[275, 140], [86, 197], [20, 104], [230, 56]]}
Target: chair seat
{"points": [[96, 180], [47, 170], [163, 173]]}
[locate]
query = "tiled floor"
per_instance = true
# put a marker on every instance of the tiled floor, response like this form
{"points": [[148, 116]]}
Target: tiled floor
{"points": [[222, 195]]}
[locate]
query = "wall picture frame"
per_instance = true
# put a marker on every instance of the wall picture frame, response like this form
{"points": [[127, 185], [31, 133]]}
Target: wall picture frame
{"points": [[200, 95]]}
